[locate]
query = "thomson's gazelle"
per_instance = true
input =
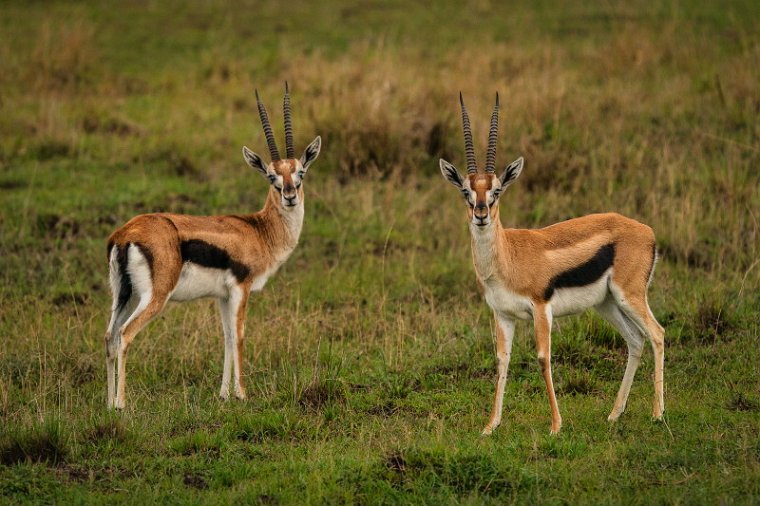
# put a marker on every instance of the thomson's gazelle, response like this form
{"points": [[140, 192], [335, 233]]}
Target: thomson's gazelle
{"points": [[159, 257], [604, 261]]}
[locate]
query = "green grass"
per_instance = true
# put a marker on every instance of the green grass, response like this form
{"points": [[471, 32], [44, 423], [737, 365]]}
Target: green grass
{"points": [[369, 357]]}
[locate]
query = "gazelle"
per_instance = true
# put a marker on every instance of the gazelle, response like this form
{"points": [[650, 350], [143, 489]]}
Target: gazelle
{"points": [[159, 257], [604, 261]]}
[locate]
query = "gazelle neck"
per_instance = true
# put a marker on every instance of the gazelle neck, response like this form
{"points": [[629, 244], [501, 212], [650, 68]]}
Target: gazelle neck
{"points": [[486, 246], [281, 225]]}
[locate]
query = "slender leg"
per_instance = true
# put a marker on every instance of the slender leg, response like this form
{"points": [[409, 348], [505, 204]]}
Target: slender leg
{"points": [[112, 338], [636, 308], [151, 298], [148, 307], [656, 335], [635, 341], [542, 321], [229, 322], [505, 331], [238, 300]]}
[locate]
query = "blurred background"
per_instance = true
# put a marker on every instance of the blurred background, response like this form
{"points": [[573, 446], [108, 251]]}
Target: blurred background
{"points": [[370, 358]]}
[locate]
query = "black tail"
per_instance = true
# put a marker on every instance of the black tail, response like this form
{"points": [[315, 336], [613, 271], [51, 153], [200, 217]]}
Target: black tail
{"points": [[125, 286]]}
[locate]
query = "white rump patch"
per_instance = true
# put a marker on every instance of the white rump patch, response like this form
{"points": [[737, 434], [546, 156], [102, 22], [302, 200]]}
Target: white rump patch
{"points": [[139, 273]]}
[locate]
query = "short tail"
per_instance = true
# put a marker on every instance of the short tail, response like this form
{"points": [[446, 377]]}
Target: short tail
{"points": [[654, 262], [121, 283]]}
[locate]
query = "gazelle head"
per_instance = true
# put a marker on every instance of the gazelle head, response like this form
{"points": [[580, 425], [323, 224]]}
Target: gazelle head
{"points": [[481, 190], [285, 176]]}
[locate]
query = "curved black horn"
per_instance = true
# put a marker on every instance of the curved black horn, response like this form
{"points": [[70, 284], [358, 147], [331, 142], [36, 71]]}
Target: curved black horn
{"points": [[289, 150], [267, 129], [492, 134], [469, 148]]}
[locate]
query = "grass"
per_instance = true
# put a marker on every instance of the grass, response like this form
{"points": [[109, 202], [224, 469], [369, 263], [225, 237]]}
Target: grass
{"points": [[370, 359]]}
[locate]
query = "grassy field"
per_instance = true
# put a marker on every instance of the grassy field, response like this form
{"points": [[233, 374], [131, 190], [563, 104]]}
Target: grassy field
{"points": [[370, 359]]}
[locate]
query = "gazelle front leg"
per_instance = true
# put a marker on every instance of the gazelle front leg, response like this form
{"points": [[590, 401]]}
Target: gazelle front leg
{"points": [[505, 331], [229, 319], [237, 302], [542, 321]]}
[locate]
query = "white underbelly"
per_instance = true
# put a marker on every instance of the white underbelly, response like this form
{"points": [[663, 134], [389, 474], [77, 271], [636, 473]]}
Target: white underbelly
{"points": [[567, 301], [564, 301], [196, 282]]}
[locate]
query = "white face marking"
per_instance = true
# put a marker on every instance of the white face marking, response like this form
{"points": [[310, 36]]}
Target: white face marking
{"points": [[471, 198], [278, 182]]}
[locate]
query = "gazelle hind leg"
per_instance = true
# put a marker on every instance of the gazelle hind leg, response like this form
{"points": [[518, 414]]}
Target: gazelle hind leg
{"points": [[542, 321], [505, 331], [635, 341], [151, 302], [636, 308], [119, 315], [121, 307], [657, 337]]}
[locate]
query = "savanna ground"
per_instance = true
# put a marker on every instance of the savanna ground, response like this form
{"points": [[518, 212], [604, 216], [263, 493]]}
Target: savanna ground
{"points": [[370, 358]]}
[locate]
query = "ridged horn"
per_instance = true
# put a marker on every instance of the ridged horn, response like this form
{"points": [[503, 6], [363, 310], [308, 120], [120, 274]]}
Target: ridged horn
{"points": [[267, 129], [492, 135], [290, 152], [469, 148]]}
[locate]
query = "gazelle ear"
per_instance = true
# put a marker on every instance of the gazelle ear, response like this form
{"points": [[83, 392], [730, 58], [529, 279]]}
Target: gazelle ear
{"points": [[255, 161], [310, 154], [509, 176], [511, 173], [451, 174]]}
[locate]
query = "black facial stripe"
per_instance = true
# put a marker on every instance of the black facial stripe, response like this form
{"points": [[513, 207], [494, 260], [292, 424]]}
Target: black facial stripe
{"points": [[207, 255], [584, 274]]}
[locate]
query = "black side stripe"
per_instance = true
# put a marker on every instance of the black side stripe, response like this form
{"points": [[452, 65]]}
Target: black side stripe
{"points": [[584, 274], [207, 255]]}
